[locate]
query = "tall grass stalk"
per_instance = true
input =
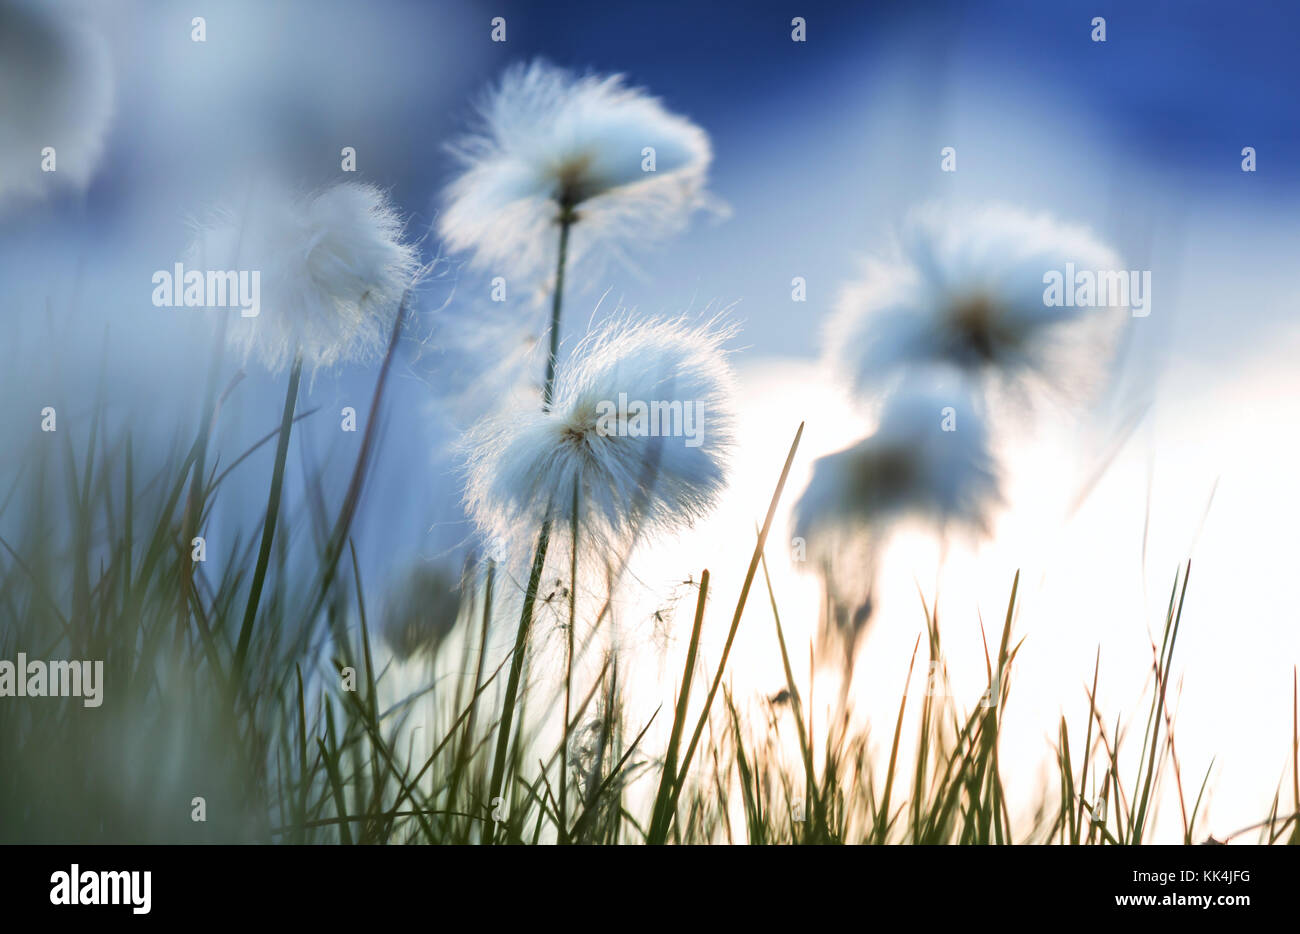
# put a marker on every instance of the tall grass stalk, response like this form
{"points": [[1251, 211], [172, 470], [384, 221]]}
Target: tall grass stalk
{"points": [[568, 666], [91, 563], [272, 516], [671, 806], [566, 220], [352, 498]]}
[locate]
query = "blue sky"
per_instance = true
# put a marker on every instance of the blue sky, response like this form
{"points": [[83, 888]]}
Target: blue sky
{"points": [[820, 149]]}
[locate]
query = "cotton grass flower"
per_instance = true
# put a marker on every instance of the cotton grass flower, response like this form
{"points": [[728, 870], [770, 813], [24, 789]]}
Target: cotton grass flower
{"points": [[422, 610], [334, 269], [333, 272], [929, 460], [56, 90], [561, 163], [966, 289], [632, 477], [554, 149]]}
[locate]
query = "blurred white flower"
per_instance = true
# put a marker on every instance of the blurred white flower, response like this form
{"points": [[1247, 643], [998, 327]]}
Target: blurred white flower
{"points": [[928, 460], [967, 289], [422, 609], [633, 476], [56, 91], [333, 266], [553, 144]]}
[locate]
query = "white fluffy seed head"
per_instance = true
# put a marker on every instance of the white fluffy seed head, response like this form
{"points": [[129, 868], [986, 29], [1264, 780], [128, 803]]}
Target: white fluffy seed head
{"points": [[552, 141], [632, 478], [56, 90], [929, 459], [333, 269], [966, 289]]}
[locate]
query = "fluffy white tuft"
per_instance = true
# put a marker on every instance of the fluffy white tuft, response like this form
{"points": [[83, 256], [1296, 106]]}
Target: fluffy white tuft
{"points": [[56, 90], [334, 269], [551, 140], [909, 468], [966, 289], [523, 464]]}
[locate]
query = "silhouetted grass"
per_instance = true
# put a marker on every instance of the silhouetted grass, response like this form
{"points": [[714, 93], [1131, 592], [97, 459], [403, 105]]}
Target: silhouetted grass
{"points": [[263, 696]]}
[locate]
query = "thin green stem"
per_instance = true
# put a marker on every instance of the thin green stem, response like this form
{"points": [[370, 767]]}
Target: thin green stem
{"points": [[268, 530], [516, 669], [568, 666], [684, 769], [194, 505], [567, 218], [659, 819], [342, 525]]}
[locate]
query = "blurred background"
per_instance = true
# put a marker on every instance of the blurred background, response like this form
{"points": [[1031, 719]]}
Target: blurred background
{"points": [[820, 149]]}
